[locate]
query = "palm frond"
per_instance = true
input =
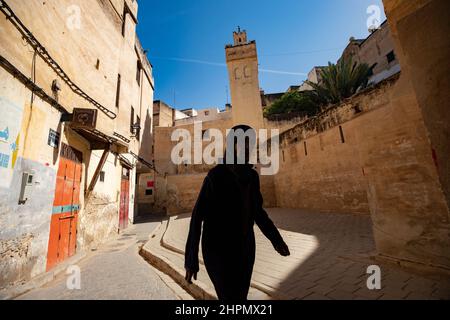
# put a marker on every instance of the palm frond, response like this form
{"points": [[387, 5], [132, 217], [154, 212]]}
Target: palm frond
{"points": [[342, 80]]}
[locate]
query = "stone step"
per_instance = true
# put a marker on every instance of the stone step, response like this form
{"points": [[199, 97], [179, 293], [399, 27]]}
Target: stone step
{"points": [[171, 262]]}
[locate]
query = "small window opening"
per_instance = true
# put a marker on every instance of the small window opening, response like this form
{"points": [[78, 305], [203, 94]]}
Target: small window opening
{"points": [[390, 56], [132, 120], [119, 79]]}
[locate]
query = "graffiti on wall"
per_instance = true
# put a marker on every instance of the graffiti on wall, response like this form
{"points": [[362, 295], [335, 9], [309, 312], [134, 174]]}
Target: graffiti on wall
{"points": [[10, 123]]}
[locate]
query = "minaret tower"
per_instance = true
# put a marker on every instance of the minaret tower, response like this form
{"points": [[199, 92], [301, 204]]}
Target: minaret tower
{"points": [[242, 62]]}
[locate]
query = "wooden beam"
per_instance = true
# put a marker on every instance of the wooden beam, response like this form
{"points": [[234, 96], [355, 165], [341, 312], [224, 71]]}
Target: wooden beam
{"points": [[97, 173], [99, 145]]}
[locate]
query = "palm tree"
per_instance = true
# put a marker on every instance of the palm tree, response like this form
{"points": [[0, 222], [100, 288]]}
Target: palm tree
{"points": [[341, 81]]}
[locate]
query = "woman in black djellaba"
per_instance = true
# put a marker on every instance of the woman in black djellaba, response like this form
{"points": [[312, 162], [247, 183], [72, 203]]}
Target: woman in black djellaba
{"points": [[229, 204]]}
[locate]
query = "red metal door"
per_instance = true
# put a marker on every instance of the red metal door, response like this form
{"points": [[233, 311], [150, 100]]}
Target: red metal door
{"points": [[63, 228], [124, 199]]}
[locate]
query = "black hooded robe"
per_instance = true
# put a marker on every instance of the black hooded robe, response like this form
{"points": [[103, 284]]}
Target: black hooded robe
{"points": [[229, 204]]}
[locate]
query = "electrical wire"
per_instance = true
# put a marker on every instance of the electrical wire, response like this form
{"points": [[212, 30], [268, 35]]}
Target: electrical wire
{"points": [[43, 53]]}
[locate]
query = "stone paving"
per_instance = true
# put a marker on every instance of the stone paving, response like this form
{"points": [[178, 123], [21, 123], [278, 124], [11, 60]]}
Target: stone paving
{"points": [[171, 262], [115, 271], [330, 254]]}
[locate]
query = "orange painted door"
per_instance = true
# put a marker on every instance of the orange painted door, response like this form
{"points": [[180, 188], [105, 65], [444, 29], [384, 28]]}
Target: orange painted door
{"points": [[124, 199], [63, 227], [64, 239], [75, 209]]}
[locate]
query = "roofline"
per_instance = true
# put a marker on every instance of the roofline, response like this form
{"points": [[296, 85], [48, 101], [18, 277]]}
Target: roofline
{"points": [[370, 35]]}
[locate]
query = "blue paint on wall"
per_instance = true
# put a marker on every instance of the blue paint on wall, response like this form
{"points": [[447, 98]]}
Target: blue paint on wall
{"points": [[4, 134], [4, 160]]}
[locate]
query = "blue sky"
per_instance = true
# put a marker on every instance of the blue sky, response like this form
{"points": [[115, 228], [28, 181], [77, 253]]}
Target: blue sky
{"points": [[186, 40]]}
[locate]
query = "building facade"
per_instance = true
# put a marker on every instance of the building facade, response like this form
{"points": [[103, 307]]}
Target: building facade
{"points": [[77, 97], [377, 51]]}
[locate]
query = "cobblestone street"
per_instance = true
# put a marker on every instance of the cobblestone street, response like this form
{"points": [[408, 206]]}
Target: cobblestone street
{"points": [[115, 271], [330, 254]]}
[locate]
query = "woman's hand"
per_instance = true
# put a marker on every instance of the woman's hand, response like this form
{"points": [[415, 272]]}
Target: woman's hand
{"points": [[189, 275], [283, 249]]}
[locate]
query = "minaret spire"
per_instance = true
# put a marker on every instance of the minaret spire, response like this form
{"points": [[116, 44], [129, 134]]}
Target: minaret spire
{"points": [[242, 62]]}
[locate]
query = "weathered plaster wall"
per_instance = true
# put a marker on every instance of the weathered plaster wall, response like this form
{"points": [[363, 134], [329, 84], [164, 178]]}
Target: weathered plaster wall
{"points": [[177, 186], [164, 147], [283, 124], [146, 149], [177, 194], [98, 221], [182, 192], [424, 57], [78, 57], [92, 56], [385, 167], [267, 184], [99, 218], [145, 183], [25, 227], [325, 175]]}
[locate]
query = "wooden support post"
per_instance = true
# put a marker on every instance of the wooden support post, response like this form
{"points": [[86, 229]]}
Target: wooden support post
{"points": [[97, 173]]}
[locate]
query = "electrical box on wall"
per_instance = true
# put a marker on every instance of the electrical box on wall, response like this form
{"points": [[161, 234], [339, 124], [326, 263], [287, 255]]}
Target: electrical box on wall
{"points": [[26, 188]]}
